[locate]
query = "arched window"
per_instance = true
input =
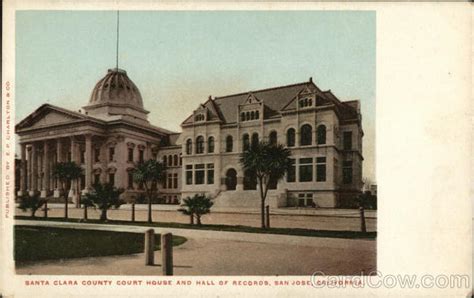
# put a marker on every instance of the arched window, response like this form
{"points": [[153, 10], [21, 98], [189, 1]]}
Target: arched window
{"points": [[165, 160], [199, 145], [170, 160], [252, 115], [257, 115], [290, 137], [210, 145], [175, 160], [272, 138], [242, 116], [247, 116], [306, 135], [246, 142], [189, 146], [229, 144], [254, 139], [321, 132]]}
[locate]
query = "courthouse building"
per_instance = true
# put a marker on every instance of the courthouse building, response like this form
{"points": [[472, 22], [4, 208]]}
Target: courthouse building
{"points": [[112, 133]]}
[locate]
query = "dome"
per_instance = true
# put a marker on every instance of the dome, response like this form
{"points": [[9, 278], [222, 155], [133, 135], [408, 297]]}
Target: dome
{"points": [[116, 87], [116, 95]]}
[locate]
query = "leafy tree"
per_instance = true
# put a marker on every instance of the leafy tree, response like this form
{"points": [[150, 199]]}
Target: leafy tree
{"points": [[32, 203], [268, 163], [65, 172], [104, 196], [149, 174], [196, 206]]}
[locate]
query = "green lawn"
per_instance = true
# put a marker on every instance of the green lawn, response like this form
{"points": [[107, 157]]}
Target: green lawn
{"points": [[45, 243], [227, 228]]}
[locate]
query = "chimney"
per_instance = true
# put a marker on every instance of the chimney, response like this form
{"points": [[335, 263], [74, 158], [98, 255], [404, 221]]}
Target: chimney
{"points": [[310, 79]]}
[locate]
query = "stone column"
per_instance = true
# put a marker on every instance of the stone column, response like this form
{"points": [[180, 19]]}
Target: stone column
{"points": [[88, 164], [23, 176], [29, 170], [34, 170], [45, 188], [72, 190], [59, 158], [240, 183]]}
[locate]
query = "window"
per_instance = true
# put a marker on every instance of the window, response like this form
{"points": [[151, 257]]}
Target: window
{"points": [[189, 146], [306, 135], [189, 174], [200, 145], [112, 178], [247, 116], [141, 154], [170, 180], [97, 154], [273, 138], [291, 174], [69, 156], [257, 115], [130, 180], [154, 155], [175, 180], [347, 140], [305, 200], [130, 154], [165, 160], [199, 174], [229, 144], [83, 156], [306, 169], [305, 102], [320, 169], [175, 160], [252, 115], [210, 173], [111, 153], [321, 132], [242, 116], [180, 159], [290, 137], [254, 139], [96, 178], [347, 172], [210, 145], [246, 142]]}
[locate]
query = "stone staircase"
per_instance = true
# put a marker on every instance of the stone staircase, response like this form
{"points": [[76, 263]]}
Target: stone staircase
{"points": [[248, 199]]}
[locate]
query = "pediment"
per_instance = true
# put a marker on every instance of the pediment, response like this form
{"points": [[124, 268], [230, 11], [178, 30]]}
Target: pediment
{"points": [[251, 99], [46, 116]]}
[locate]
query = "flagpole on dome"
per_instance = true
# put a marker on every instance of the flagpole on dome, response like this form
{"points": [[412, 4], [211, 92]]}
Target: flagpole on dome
{"points": [[117, 48]]}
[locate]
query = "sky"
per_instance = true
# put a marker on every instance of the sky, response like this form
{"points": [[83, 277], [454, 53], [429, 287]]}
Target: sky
{"points": [[178, 58]]}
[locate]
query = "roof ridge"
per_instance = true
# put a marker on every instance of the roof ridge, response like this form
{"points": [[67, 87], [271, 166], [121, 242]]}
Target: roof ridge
{"points": [[262, 90]]}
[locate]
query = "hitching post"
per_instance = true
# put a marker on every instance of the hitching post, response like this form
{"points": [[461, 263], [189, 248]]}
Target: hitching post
{"points": [[167, 253], [149, 247], [363, 228], [267, 213], [133, 212]]}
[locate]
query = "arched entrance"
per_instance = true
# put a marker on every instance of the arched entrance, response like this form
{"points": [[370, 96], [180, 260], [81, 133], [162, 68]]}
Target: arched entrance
{"points": [[231, 179]]}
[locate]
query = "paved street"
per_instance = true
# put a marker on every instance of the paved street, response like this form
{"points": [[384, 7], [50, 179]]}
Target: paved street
{"points": [[323, 220], [224, 253]]}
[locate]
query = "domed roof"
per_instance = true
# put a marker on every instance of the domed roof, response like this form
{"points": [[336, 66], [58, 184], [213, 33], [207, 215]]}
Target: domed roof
{"points": [[116, 88]]}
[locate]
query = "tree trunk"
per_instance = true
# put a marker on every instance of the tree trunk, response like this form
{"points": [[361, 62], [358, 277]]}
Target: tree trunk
{"points": [[85, 212], [198, 217], [191, 217], [103, 215], [262, 203], [65, 200], [33, 213], [150, 220]]}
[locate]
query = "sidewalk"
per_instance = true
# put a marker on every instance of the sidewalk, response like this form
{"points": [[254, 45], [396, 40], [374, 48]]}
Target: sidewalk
{"points": [[327, 212]]}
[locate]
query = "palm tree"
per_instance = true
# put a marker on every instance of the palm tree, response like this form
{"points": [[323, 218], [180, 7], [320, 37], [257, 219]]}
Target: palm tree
{"points": [[64, 172], [267, 162], [32, 203], [104, 196], [149, 174], [196, 206]]}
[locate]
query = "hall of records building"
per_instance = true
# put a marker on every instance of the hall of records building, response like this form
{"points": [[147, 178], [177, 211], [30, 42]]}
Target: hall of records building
{"points": [[112, 134]]}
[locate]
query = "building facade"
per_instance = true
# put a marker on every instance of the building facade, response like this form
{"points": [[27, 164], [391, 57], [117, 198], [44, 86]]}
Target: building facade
{"points": [[112, 134]]}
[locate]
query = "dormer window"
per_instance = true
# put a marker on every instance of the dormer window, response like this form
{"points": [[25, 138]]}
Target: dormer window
{"points": [[249, 115], [199, 117], [305, 102]]}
